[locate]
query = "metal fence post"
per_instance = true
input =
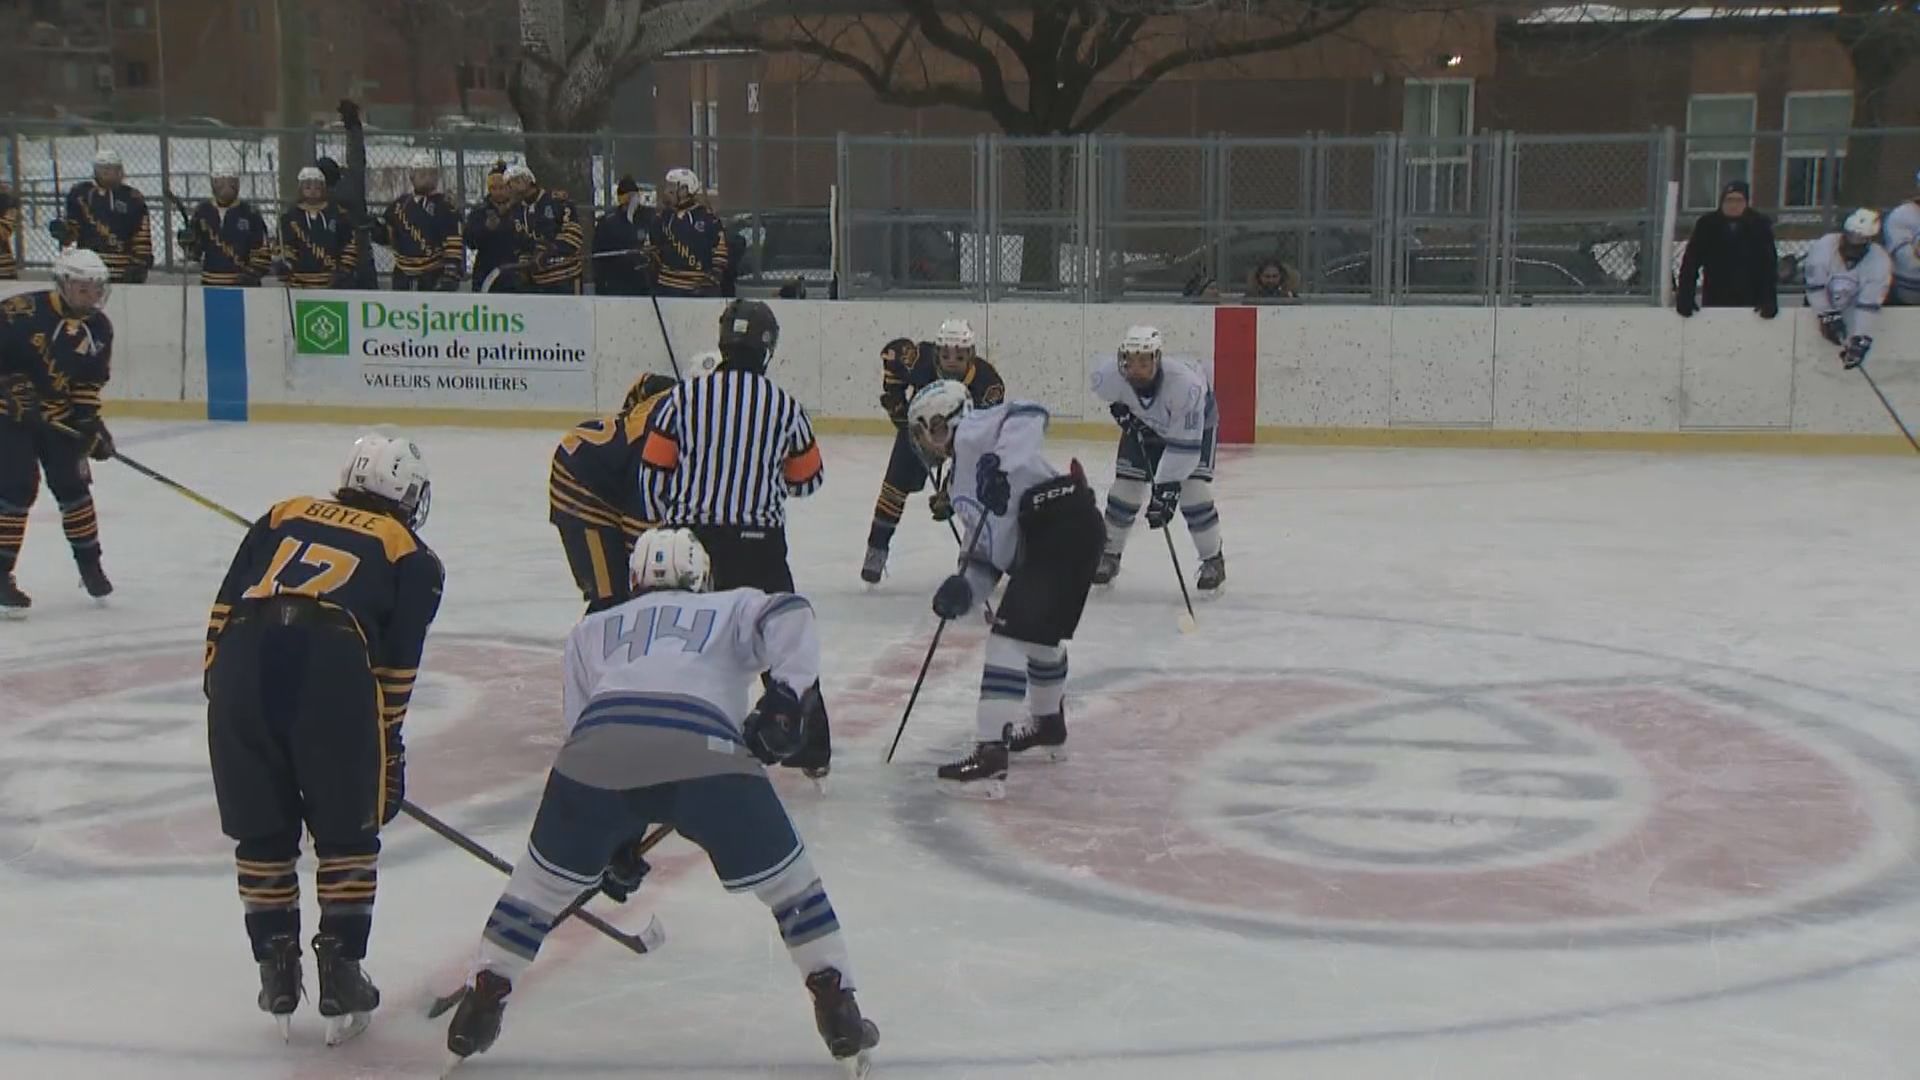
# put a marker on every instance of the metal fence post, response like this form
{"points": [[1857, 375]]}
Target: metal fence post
{"points": [[166, 198], [840, 213], [990, 209], [19, 239]]}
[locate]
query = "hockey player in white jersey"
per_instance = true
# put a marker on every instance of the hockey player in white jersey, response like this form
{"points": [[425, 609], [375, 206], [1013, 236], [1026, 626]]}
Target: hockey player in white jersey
{"points": [[1025, 518], [1848, 276], [1903, 245], [1169, 427], [655, 695]]}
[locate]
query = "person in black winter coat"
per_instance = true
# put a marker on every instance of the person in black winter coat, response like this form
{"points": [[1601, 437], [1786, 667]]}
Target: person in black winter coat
{"points": [[1734, 247], [620, 241]]}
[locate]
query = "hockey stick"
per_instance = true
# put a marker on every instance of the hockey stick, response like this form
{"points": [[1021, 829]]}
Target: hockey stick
{"points": [[1901, 424], [153, 474], [1189, 623], [932, 647], [638, 943], [441, 1004], [654, 295]]}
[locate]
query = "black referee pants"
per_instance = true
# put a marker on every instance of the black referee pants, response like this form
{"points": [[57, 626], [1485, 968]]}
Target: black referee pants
{"points": [[755, 557]]}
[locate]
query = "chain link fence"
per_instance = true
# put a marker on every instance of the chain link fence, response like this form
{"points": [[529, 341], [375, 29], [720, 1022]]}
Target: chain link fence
{"points": [[1491, 218]]}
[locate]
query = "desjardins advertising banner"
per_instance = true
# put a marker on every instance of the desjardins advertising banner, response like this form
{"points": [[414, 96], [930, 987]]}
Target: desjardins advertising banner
{"points": [[441, 349]]}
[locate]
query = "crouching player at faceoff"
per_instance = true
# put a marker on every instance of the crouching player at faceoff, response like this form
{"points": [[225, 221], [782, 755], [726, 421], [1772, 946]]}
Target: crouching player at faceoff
{"points": [[312, 650], [1023, 517], [593, 493], [1169, 427], [659, 733]]}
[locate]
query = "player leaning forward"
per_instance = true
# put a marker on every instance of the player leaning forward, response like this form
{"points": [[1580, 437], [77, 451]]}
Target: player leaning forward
{"points": [[1848, 277], [1023, 517], [1169, 426], [312, 650], [655, 695]]}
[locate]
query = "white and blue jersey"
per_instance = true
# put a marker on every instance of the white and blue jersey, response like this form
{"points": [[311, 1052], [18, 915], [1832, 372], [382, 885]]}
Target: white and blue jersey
{"points": [[1179, 410], [1014, 437], [655, 689], [1855, 289], [1903, 245]]}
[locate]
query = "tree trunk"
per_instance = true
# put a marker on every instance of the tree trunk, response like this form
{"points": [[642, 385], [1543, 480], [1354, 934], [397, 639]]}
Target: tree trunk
{"points": [[1877, 44], [296, 146]]}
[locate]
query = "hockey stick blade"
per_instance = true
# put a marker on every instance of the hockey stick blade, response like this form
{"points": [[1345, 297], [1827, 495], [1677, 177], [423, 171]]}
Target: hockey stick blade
{"points": [[649, 939]]}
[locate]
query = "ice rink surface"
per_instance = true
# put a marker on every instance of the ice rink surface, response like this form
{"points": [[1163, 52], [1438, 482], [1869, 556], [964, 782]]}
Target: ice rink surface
{"points": [[1489, 766]]}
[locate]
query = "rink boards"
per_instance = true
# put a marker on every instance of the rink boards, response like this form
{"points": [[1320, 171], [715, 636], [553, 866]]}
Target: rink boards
{"points": [[1588, 377]]}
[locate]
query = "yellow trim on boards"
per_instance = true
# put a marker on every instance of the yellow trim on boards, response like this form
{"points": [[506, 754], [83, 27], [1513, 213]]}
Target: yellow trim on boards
{"points": [[1456, 438]]}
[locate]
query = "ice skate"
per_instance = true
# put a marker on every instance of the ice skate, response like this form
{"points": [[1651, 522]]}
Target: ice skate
{"points": [[13, 602], [280, 982], [981, 775], [477, 1023], [1045, 735], [1108, 569], [850, 1037], [1212, 575], [875, 567], [93, 578], [347, 996]]}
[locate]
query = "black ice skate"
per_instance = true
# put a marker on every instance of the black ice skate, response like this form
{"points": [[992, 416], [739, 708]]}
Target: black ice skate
{"points": [[849, 1035], [1108, 569], [93, 578], [477, 1024], [1212, 575], [1045, 734], [347, 996], [13, 602], [982, 775], [875, 567], [280, 981]]}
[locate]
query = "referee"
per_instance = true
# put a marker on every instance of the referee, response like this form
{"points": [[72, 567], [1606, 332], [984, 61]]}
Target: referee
{"points": [[722, 455]]}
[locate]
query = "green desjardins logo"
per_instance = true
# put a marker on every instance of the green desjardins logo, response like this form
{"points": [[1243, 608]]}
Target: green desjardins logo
{"points": [[320, 327]]}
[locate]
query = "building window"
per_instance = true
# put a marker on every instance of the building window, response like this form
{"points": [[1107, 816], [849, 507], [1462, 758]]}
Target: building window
{"points": [[314, 86], [1437, 119], [1815, 152], [705, 158], [137, 74], [1719, 145], [249, 18]]}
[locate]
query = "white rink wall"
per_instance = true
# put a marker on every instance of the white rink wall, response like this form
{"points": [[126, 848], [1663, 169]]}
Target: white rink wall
{"points": [[1336, 374]]}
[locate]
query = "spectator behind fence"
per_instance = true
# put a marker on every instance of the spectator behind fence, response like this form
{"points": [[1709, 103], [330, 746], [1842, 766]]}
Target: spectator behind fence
{"points": [[489, 235], [9, 225], [108, 217], [689, 241], [1903, 243], [1734, 247], [1273, 280], [620, 242], [227, 236]]}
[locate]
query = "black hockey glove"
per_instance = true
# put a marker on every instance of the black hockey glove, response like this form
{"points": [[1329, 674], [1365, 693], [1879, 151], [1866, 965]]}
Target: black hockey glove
{"points": [[1684, 305], [1856, 351], [1833, 327], [1769, 308], [57, 228], [991, 484], [954, 598], [1166, 499], [21, 404], [776, 729], [97, 439], [941, 505], [1124, 417], [624, 873]]}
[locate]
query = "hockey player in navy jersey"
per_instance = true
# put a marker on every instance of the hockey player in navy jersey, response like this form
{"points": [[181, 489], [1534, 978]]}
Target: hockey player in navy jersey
{"points": [[1024, 517], [659, 733], [1169, 427]]}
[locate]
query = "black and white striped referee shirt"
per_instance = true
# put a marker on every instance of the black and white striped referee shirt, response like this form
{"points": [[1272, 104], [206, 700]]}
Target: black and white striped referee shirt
{"points": [[728, 449]]}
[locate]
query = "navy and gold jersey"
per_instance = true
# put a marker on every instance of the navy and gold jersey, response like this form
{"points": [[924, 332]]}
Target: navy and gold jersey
{"points": [[559, 241], [318, 244], [232, 243], [113, 224], [67, 358], [424, 233], [691, 246], [595, 479], [914, 366], [362, 562], [491, 237], [9, 227]]}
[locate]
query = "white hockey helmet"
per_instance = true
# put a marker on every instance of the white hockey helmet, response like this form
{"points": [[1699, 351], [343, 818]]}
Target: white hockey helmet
{"points": [[81, 276], [701, 365], [224, 168], [311, 174], [682, 183], [391, 468], [106, 158], [933, 414], [955, 334], [1863, 226], [519, 172], [1142, 339], [669, 559], [423, 159], [1139, 357], [954, 348]]}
